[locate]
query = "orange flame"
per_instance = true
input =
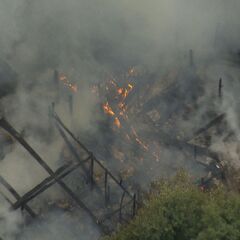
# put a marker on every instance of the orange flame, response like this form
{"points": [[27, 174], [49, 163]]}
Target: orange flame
{"points": [[138, 139], [121, 95], [66, 82], [124, 92], [108, 110], [117, 122]]}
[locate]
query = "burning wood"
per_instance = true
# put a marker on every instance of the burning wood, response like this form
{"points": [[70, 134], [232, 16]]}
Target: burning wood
{"points": [[63, 78], [108, 110], [117, 122]]}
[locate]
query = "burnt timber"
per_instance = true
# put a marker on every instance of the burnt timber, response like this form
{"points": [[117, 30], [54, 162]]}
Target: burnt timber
{"points": [[121, 209]]}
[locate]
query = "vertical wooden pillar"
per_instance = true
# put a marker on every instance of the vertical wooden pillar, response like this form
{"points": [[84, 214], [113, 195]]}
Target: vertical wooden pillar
{"points": [[220, 86], [91, 172], [121, 204], [106, 187]]}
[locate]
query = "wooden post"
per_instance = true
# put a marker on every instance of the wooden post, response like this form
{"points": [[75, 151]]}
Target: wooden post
{"points": [[105, 187], [220, 86], [108, 194], [91, 172], [121, 203], [120, 182]]}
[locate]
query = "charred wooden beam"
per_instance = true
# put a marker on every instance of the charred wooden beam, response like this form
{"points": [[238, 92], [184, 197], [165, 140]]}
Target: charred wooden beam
{"points": [[56, 117], [121, 204], [215, 121], [111, 214], [46, 183], [4, 124], [220, 86], [72, 149], [89, 152], [7, 199], [91, 172], [105, 187], [16, 196]]}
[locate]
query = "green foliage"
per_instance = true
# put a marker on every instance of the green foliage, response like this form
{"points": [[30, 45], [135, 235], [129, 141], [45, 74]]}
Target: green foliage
{"points": [[178, 210]]}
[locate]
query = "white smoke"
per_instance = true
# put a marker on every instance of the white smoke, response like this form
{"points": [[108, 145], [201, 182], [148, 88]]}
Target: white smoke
{"points": [[86, 40], [10, 221]]}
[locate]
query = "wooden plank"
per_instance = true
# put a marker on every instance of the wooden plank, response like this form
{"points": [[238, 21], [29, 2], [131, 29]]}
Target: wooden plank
{"points": [[6, 125], [16, 195]]}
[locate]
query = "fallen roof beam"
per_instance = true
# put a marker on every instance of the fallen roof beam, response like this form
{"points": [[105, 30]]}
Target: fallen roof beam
{"points": [[72, 149], [6, 125], [215, 121], [17, 196], [74, 152], [57, 118], [45, 184], [111, 214]]}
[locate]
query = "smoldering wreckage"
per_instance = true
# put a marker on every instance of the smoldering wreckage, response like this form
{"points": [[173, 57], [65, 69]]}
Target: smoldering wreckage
{"points": [[85, 183], [58, 179]]}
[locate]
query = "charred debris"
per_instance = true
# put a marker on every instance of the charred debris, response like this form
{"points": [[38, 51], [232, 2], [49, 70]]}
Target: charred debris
{"points": [[148, 122]]}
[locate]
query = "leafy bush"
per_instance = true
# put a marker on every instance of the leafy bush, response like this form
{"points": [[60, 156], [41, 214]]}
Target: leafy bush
{"points": [[178, 210]]}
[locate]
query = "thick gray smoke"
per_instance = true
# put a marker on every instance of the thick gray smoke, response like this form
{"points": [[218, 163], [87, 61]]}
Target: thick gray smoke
{"points": [[87, 40], [90, 36], [10, 221]]}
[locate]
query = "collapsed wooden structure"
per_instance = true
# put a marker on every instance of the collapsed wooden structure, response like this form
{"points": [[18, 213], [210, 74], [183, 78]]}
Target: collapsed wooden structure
{"points": [[108, 220], [119, 208], [116, 204]]}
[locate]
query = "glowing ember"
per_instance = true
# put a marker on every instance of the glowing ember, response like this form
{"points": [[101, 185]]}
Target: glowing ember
{"points": [[63, 78], [119, 94], [124, 92], [117, 122], [108, 110], [130, 86], [120, 91], [138, 139]]}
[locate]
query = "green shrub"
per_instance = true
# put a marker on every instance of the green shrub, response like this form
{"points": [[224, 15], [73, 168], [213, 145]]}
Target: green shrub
{"points": [[178, 210]]}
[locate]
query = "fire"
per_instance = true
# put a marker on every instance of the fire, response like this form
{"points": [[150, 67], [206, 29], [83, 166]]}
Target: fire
{"points": [[113, 83], [117, 122], [130, 86], [124, 92], [138, 139], [63, 78], [108, 110], [118, 94], [121, 94], [120, 91]]}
